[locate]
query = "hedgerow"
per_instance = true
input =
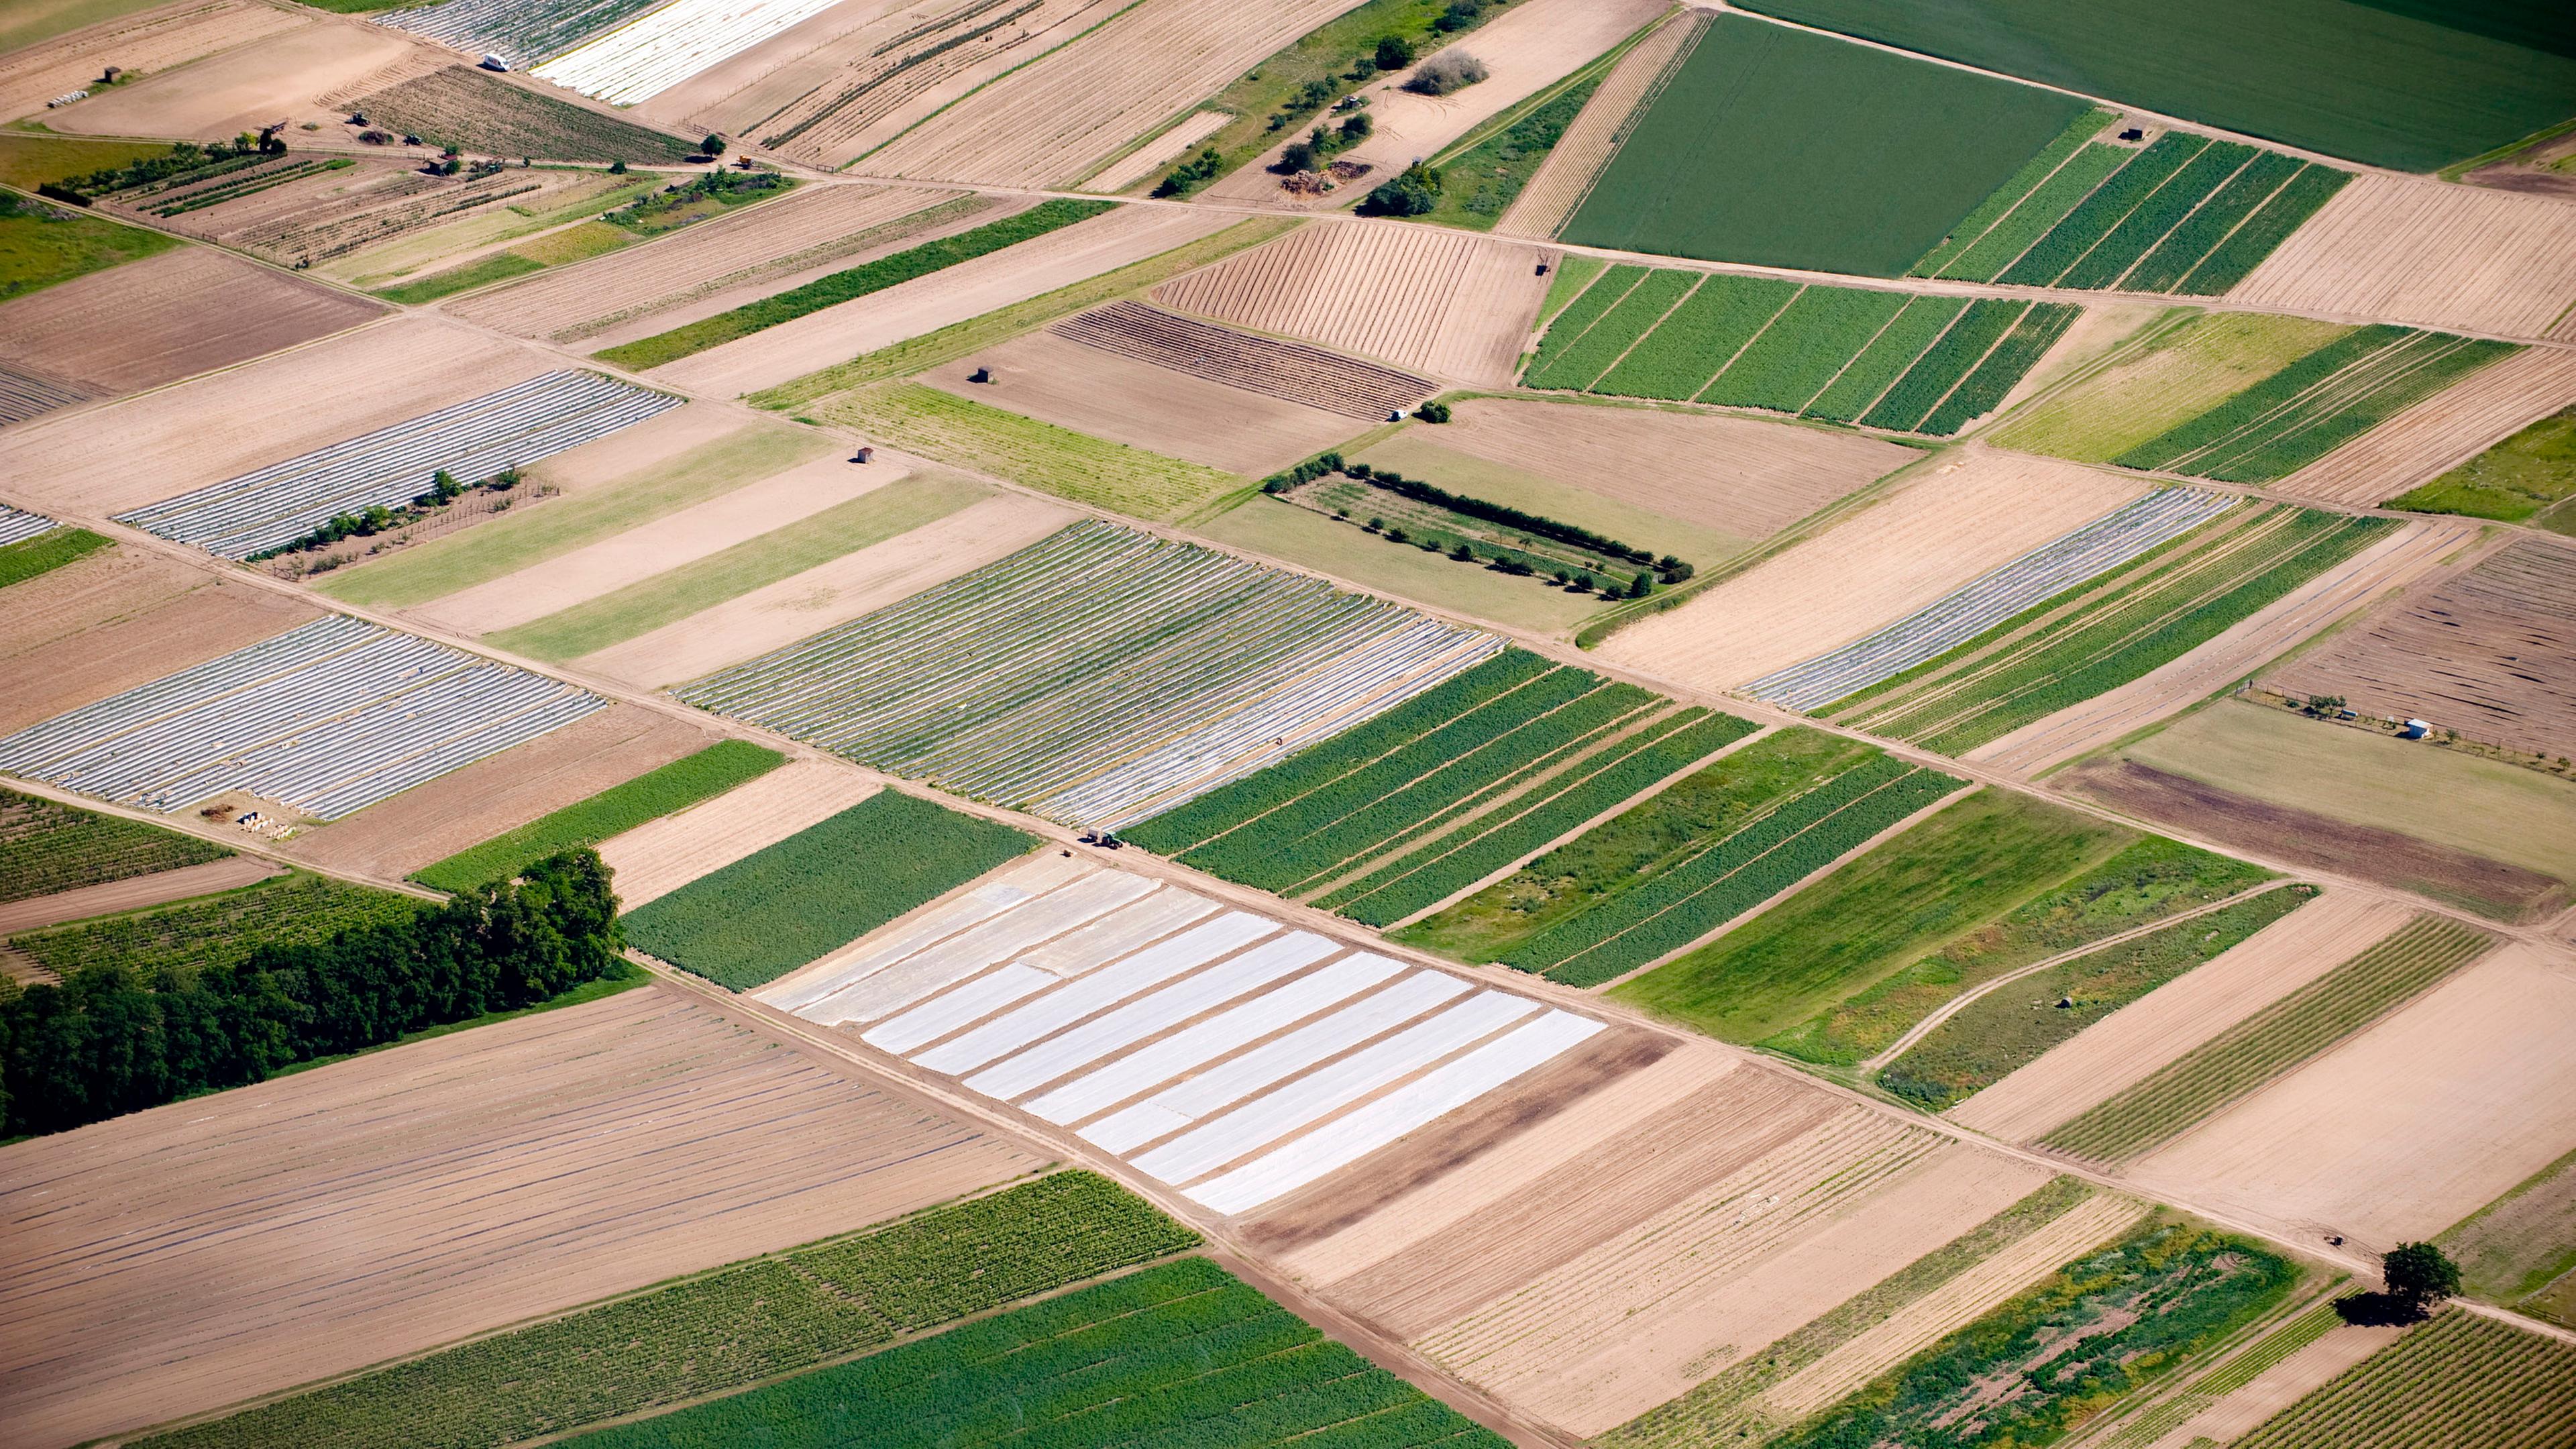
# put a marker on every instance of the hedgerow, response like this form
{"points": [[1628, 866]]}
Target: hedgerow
{"points": [[649, 796]]}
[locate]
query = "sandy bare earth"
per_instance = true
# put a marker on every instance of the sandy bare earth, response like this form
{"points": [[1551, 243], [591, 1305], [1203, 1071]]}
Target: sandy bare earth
{"points": [[2408, 1127], [660, 856], [184, 1258], [1562, 180], [926, 304], [1101, 393], [169, 315], [2131, 1044], [1937, 532], [779, 614], [2415, 250], [1735, 475], [136, 892], [2443, 431], [282, 77], [431, 822], [1443, 302], [106, 460], [147, 42], [2396, 560], [665, 543], [119, 618]]}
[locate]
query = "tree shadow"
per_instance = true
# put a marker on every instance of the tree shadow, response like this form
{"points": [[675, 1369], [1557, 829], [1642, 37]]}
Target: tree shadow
{"points": [[2378, 1310]]}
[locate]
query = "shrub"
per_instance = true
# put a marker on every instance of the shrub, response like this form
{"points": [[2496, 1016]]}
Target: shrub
{"points": [[1414, 193], [1448, 71], [1433, 412], [1394, 52], [1459, 15], [1192, 174]]}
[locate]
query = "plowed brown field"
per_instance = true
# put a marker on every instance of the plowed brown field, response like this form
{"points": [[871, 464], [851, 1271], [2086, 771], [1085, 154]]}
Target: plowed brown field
{"points": [[1442, 302], [146, 43], [165, 317], [119, 618], [1285, 370], [2428, 253], [188, 1257], [2441, 432]]}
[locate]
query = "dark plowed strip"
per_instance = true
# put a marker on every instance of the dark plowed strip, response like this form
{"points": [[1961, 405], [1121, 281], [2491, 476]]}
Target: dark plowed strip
{"points": [[1291, 371], [25, 394]]}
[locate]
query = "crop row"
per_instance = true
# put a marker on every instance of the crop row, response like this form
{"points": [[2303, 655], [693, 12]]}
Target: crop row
{"points": [[17, 526], [649, 796], [46, 551], [216, 933], [1701, 338], [521, 32], [1731, 875], [45, 847], [2015, 194], [2274, 1040], [719, 1330], [1909, 405], [819, 889], [2460, 1380], [646, 57]]}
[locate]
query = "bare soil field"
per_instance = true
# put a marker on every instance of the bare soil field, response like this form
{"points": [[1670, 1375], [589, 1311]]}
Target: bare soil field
{"points": [[147, 43], [660, 856], [1154, 155], [665, 543], [283, 77], [188, 1257], [135, 893], [1733, 475], [1447, 303], [108, 460], [2392, 563], [1566, 176], [184, 311], [781, 613], [342, 215], [431, 822], [2490, 652], [2132, 1043], [1047, 377], [1287, 370], [1053, 119], [2441, 432], [925, 304], [2408, 1127], [1937, 532], [119, 618], [2428, 253]]}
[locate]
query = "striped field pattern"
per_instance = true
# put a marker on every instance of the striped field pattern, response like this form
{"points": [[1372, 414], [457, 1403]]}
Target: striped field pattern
{"points": [[326, 718], [18, 527], [646, 57], [521, 32]]}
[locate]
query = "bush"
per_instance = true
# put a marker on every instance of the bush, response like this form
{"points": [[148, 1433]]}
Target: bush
{"points": [[1192, 174], [1433, 412], [1299, 156], [1448, 71], [1394, 52], [1414, 193], [1459, 15]]}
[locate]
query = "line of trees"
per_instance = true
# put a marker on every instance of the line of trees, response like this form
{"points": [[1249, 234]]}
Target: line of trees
{"points": [[183, 157], [107, 1041]]}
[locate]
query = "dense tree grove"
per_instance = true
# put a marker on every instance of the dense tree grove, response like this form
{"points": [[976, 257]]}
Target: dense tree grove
{"points": [[106, 1041]]}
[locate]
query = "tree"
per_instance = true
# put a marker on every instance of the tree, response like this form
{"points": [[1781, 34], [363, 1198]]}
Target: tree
{"points": [[2419, 1276], [1356, 128], [1394, 52], [1462, 553], [1433, 412], [616, 168], [1642, 585], [1413, 193], [713, 145], [1299, 156]]}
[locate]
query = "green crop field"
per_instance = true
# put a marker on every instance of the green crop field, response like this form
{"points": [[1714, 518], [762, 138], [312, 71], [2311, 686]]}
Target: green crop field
{"points": [[42, 243], [1687, 350], [717, 1331], [649, 796], [2105, 632], [819, 889], [28, 161], [2179, 370], [1117, 476], [1777, 146], [47, 552], [1805, 347], [1944, 878], [215, 933], [2271, 1042], [790, 549], [2009, 1027], [2522, 479], [46, 847], [2101, 1327], [2401, 83], [2460, 1380]]}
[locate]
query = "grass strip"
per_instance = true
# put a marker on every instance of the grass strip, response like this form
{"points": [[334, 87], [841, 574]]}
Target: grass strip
{"points": [[1483, 182], [2010, 1027], [46, 847], [1117, 476], [2270, 225], [2269, 1043], [856, 282], [716, 1331], [819, 889], [46, 552], [498, 267], [649, 796]]}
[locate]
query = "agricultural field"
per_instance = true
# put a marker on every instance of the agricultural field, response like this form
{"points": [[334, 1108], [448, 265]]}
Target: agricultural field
{"points": [[302, 72], [2488, 652], [1589, 139], [2179, 367], [2430, 255], [466, 107], [661, 855], [54, 847], [32, 544], [521, 32], [42, 244], [676, 786], [820, 889], [69, 46], [1922, 364], [1285, 370], [2456, 426], [1793, 149], [213, 934], [562, 1110], [639, 60], [1340, 549], [2517, 1250], [1494, 163], [2523, 478], [2462, 1379], [968, 433]]}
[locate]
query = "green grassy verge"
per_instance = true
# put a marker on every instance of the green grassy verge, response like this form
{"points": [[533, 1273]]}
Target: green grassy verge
{"points": [[498, 267], [217, 932], [46, 552], [1482, 182], [674, 594], [2269, 1043], [649, 796], [717, 1331], [856, 282], [2520, 1250], [2011, 1026], [819, 889], [47, 847], [1116, 476], [29, 161], [42, 243], [2461, 1379], [2533, 470]]}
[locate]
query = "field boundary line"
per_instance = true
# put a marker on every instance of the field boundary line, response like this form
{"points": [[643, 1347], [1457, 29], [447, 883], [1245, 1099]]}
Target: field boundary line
{"points": [[1737, 355], [1648, 331]]}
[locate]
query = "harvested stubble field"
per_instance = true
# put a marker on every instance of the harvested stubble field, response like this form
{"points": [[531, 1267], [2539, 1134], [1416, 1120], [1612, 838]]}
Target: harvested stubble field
{"points": [[2433, 255], [2462, 1380], [1439, 302], [213, 934], [52, 847], [468, 108], [1193, 668], [1286, 370], [154, 40], [722, 766], [660, 856], [2449, 428], [283, 75], [1940, 530], [434, 1191], [2490, 652]]}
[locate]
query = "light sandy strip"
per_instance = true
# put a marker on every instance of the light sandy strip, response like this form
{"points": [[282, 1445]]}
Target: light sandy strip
{"points": [[959, 1007], [2232, 656], [1061, 1056], [1159, 1062], [1310, 1098], [2441, 432], [660, 856], [1142, 162], [1183, 1103], [1078, 953], [1355, 1135], [995, 894], [2429, 253], [1104, 988], [900, 985]]}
